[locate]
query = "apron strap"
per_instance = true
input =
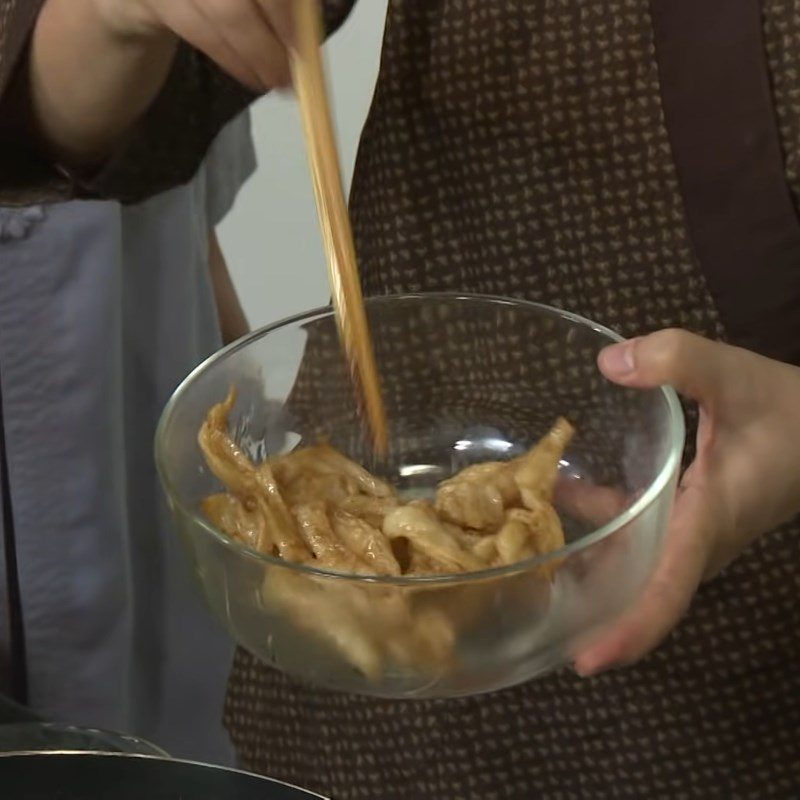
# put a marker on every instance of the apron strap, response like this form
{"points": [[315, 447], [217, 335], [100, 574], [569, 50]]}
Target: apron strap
{"points": [[719, 113]]}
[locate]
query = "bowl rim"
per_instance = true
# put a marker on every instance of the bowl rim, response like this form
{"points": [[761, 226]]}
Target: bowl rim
{"points": [[111, 737], [636, 509], [152, 758]]}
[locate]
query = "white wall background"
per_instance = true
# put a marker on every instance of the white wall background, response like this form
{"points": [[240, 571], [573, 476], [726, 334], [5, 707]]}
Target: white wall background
{"points": [[271, 238]]}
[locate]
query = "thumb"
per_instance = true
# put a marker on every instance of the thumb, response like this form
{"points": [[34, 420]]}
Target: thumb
{"points": [[692, 365]]}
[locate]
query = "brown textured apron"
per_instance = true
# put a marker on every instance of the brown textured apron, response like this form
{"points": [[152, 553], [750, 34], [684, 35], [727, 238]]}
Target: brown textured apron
{"points": [[637, 163]]}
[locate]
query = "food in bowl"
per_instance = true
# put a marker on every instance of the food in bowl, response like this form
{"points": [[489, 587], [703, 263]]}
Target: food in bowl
{"points": [[315, 506]]}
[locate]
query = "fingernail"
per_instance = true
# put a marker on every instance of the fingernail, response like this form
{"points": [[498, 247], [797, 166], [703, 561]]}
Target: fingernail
{"points": [[620, 359], [592, 661], [583, 670], [590, 670]]}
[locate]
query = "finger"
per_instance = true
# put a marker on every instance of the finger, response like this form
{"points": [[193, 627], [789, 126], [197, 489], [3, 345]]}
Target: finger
{"points": [[667, 594], [281, 15], [247, 32], [186, 20], [595, 505], [694, 366]]}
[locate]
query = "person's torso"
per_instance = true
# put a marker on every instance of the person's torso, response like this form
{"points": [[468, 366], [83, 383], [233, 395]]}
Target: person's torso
{"points": [[559, 151], [635, 162]]}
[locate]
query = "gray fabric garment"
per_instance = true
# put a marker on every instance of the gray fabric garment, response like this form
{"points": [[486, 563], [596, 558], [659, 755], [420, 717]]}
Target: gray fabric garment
{"points": [[103, 310]]}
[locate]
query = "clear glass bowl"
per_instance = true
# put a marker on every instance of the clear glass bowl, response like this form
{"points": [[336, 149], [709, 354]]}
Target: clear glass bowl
{"points": [[465, 379], [52, 737]]}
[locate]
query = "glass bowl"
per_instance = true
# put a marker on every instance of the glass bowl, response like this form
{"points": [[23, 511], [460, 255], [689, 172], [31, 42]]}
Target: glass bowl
{"points": [[465, 379], [52, 737]]}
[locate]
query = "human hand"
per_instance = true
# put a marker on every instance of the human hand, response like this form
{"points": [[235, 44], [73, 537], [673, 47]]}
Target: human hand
{"points": [[744, 480], [246, 38]]}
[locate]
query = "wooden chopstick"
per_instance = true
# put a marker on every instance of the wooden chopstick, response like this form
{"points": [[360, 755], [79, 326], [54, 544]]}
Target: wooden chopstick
{"points": [[348, 302]]}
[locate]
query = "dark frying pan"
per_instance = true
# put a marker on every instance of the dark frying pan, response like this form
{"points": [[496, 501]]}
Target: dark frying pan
{"points": [[119, 776]]}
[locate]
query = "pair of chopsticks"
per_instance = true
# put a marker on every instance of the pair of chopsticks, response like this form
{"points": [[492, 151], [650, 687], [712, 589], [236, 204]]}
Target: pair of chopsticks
{"points": [[348, 301]]}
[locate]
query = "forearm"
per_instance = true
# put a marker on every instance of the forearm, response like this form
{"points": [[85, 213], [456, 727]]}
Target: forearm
{"points": [[84, 84], [127, 95], [232, 320]]}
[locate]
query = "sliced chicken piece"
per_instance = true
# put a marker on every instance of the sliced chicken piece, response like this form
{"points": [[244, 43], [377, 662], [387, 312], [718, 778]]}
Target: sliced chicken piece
{"points": [[229, 515], [514, 542], [486, 549], [420, 564], [254, 486], [426, 643], [476, 496], [226, 460], [426, 533], [366, 625], [367, 543], [437, 633], [323, 459], [529, 532], [465, 538], [304, 489], [500, 474], [335, 461], [536, 473], [331, 612], [472, 505], [548, 531], [329, 551], [481, 546], [371, 509], [284, 533], [290, 467]]}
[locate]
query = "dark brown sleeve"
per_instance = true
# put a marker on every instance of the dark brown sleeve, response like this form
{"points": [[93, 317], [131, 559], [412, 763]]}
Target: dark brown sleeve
{"points": [[21, 168], [16, 22], [165, 148], [171, 140]]}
